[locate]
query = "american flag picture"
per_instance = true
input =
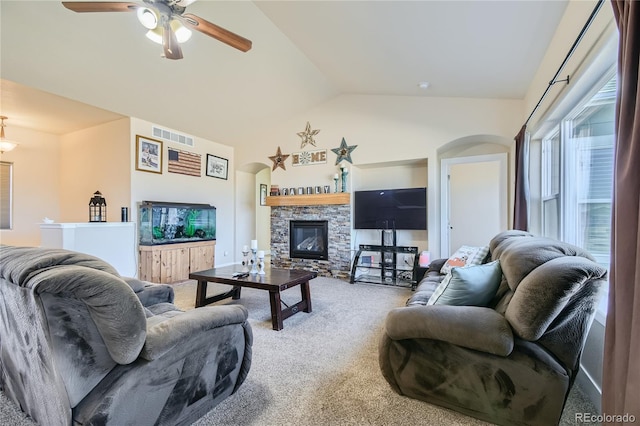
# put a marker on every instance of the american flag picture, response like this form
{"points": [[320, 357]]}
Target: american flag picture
{"points": [[186, 163]]}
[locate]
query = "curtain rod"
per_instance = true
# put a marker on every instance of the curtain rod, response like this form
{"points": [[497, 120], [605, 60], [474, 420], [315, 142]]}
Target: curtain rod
{"points": [[566, 59]]}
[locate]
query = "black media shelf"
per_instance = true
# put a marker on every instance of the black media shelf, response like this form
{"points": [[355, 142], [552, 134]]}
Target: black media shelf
{"points": [[380, 264]]}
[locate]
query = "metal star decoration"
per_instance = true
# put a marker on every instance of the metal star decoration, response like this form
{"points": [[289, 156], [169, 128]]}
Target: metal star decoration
{"points": [[344, 151], [307, 135], [278, 160]]}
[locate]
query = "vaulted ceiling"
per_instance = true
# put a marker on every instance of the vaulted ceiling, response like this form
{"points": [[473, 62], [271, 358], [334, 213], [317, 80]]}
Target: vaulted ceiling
{"points": [[95, 67]]}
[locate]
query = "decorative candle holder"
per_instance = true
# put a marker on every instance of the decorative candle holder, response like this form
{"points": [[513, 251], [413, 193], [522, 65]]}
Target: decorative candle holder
{"points": [[245, 259], [335, 181], [261, 262], [344, 179], [254, 261]]}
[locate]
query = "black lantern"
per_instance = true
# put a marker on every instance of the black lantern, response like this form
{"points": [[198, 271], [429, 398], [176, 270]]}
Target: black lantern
{"points": [[97, 208]]}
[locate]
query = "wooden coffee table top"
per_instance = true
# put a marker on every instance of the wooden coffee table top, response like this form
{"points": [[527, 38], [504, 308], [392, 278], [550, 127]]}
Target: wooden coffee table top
{"points": [[274, 278]]}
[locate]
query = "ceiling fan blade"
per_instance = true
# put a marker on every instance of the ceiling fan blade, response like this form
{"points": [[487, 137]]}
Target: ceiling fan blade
{"points": [[234, 40], [170, 43], [100, 6]]}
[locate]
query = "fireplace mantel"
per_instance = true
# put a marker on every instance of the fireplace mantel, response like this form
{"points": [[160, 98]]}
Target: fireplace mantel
{"points": [[309, 199]]}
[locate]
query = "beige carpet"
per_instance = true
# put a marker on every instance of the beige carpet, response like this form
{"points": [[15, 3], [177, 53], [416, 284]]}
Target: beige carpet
{"points": [[322, 368]]}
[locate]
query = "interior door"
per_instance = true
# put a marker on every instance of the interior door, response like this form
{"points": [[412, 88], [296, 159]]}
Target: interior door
{"points": [[476, 201]]}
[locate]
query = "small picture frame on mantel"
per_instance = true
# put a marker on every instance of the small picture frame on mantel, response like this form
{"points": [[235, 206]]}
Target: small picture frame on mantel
{"points": [[217, 167]]}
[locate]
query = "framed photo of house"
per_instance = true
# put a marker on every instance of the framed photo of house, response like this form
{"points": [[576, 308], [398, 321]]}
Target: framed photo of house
{"points": [[148, 154], [217, 167], [263, 194]]}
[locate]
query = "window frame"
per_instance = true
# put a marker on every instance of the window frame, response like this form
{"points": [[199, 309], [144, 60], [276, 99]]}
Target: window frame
{"points": [[6, 195], [568, 197]]}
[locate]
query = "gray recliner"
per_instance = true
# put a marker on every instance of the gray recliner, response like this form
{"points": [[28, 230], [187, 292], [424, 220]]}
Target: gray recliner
{"points": [[81, 345], [512, 362]]}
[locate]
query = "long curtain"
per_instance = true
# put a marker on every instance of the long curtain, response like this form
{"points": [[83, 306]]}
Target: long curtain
{"points": [[621, 375], [521, 199]]}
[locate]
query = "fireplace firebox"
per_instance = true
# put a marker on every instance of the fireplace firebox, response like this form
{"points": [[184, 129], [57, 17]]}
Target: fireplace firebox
{"points": [[308, 239]]}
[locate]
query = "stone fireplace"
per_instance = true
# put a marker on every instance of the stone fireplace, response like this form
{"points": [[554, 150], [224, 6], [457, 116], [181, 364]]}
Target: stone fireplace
{"points": [[336, 218]]}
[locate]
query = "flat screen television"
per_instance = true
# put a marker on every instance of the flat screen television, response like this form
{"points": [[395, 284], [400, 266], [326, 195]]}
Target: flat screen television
{"points": [[390, 208]]}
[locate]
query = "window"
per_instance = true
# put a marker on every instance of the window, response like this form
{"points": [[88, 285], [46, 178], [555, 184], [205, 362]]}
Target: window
{"points": [[6, 184], [577, 174], [551, 185]]}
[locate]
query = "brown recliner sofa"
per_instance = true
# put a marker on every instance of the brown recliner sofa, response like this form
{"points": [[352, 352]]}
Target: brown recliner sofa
{"points": [[512, 362]]}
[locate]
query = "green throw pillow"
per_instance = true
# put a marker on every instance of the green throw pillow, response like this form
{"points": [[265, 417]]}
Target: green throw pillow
{"points": [[473, 285]]}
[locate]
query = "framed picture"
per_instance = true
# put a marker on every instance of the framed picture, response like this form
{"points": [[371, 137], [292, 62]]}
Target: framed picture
{"points": [[217, 167], [148, 154], [263, 194]]}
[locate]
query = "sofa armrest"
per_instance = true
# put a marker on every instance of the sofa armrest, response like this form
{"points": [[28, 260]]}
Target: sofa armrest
{"points": [[437, 264], [184, 328], [473, 327], [150, 293]]}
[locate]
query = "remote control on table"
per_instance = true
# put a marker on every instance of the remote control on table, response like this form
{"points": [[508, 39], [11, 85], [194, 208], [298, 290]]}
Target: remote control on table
{"points": [[240, 274]]}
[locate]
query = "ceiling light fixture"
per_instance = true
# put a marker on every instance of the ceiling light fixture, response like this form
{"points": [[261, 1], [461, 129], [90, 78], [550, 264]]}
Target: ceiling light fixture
{"points": [[182, 33], [423, 85], [5, 144], [147, 17]]}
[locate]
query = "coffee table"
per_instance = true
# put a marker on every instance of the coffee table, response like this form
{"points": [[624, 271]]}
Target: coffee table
{"points": [[274, 281]]}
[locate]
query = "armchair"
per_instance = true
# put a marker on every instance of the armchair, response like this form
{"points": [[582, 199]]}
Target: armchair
{"points": [[512, 362], [81, 345]]}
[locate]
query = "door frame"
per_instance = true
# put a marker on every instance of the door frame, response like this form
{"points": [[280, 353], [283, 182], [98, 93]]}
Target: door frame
{"points": [[445, 167]]}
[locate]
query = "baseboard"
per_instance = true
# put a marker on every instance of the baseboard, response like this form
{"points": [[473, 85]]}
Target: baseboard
{"points": [[591, 389]]}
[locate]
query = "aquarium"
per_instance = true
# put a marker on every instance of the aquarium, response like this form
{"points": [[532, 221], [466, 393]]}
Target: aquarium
{"points": [[167, 223]]}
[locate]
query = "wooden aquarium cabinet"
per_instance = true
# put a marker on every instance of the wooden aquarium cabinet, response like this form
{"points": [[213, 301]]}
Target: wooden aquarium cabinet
{"points": [[171, 263]]}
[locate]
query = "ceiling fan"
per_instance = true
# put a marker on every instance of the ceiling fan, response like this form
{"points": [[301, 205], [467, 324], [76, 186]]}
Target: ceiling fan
{"points": [[166, 21]]}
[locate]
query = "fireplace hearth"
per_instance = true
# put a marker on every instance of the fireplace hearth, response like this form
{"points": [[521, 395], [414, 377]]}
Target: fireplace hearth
{"points": [[308, 239]]}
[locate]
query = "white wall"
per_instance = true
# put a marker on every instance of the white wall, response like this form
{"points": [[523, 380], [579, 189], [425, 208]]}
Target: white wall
{"points": [[245, 212], [173, 187], [386, 129], [36, 184], [95, 159], [263, 213], [55, 176]]}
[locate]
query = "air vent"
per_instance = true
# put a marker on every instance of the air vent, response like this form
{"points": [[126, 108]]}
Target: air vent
{"points": [[170, 136]]}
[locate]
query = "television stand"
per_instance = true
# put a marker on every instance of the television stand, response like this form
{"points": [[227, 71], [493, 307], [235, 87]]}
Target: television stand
{"points": [[386, 264]]}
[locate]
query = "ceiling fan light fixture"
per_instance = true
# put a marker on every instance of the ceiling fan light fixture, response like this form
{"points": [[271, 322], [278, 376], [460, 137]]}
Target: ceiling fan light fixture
{"points": [[183, 33], [158, 17], [147, 17]]}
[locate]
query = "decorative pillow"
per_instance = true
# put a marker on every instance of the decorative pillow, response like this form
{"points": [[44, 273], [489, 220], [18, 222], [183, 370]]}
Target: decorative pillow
{"points": [[465, 256], [469, 286]]}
